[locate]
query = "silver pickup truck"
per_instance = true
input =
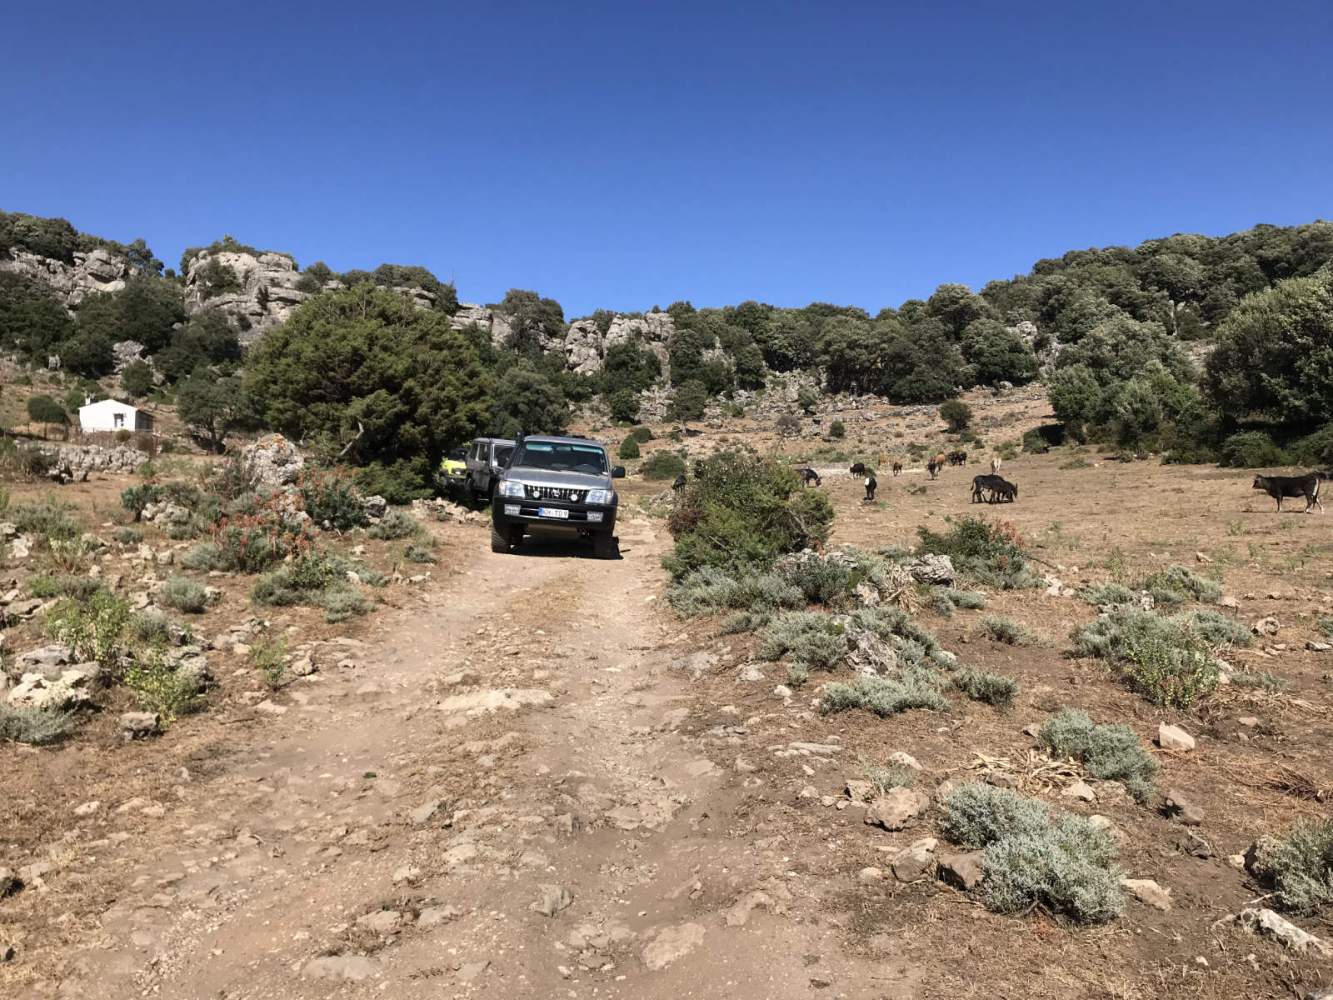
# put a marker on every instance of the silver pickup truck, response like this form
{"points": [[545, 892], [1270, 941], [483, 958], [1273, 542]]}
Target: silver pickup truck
{"points": [[558, 484]]}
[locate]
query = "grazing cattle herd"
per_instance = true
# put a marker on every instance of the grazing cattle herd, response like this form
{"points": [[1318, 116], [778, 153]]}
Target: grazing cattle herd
{"points": [[994, 488]]}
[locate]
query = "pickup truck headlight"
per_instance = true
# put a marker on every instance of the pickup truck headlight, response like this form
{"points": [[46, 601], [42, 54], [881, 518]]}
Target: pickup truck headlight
{"points": [[510, 488], [601, 498]]}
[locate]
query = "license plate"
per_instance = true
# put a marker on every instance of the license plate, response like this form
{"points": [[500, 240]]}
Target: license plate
{"points": [[557, 512]]}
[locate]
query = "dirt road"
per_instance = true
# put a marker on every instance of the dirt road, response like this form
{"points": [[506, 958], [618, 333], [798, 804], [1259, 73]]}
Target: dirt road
{"points": [[511, 794]]}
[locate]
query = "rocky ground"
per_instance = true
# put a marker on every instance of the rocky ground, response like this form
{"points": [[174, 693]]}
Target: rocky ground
{"points": [[524, 776]]}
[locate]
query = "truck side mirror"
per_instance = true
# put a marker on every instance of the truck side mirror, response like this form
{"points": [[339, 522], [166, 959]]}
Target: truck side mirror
{"points": [[618, 472]]}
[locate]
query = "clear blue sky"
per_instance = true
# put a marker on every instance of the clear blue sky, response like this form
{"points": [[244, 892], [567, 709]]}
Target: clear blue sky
{"points": [[625, 154]]}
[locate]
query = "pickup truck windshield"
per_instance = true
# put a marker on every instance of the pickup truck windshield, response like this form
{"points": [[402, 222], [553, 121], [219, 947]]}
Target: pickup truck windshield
{"points": [[554, 457]]}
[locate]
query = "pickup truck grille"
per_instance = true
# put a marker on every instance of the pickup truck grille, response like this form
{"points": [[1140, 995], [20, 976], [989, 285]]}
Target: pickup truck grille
{"points": [[561, 493]]}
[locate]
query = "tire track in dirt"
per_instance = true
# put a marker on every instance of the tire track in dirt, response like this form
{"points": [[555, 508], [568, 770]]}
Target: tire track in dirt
{"points": [[394, 836]]}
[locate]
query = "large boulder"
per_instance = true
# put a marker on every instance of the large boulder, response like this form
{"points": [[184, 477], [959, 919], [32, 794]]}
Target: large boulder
{"points": [[72, 688], [273, 462]]}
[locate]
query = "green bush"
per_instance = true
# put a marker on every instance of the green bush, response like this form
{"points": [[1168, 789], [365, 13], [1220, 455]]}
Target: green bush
{"points": [[94, 630], [418, 554], [35, 726], [641, 434], [184, 594], [1005, 630], [341, 603], [887, 777], [204, 557], [302, 579], [969, 600], [49, 520], [956, 415], [333, 500], [1252, 450], [1166, 660], [837, 430], [709, 590], [885, 696], [396, 524], [80, 588], [1299, 866], [820, 580], [742, 511], [1261, 679], [1108, 594], [151, 628], [1032, 857], [624, 405], [1108, 753], [1176, 585], [993, 689], [269, 657], [159, 687], [810, 638], [990, 554], [629, 448], [1218, 630], [128, 535], [663, 465]]}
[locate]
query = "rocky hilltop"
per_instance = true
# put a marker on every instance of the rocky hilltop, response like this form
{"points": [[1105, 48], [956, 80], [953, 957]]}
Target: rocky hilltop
{"points": [[257, 292], [96, 270]]}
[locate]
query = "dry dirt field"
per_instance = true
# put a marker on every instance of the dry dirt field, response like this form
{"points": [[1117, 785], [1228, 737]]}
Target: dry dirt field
{"points": [[525, 777]]}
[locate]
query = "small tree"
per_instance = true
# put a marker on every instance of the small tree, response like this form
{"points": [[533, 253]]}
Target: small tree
{"points": [[46, 411], [837, 430], [624, 406], [688, 401], [137, 379], [789, 425], [629, 448], [956, 414], [806, 399], [211, 407]]}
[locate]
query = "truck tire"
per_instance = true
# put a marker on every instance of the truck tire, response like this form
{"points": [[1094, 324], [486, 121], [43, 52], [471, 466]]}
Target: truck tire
{"points": [[499, 542], [604, 546]]}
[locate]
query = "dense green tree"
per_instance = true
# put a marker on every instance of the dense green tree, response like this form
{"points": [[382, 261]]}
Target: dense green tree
{"points": [[32, 320], [145, 310], [534, 318], [957, 306], [996, 354], [851, 352], [137, 379], [46, 411], [528, 401], [1274, 356], [87, 353], [213, 407], [921, 364], [790, 342], [688, 402], [207, 340], [624, 405], [629, 365], [956, 414], [393, 384]]}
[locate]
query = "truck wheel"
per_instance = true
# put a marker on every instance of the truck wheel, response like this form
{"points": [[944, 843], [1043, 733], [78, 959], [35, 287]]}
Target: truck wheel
{"points": [[604, 546], [499, 542]]}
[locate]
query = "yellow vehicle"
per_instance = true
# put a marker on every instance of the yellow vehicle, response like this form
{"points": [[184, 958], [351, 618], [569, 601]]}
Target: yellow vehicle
{"points": [[453, 468]]}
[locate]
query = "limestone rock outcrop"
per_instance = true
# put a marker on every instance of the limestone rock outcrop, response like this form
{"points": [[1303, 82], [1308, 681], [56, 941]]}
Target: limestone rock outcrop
{"points": [[255, 292], [95, 271]]}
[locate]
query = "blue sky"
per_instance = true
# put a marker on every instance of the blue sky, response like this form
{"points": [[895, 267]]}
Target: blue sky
{"points": [[625, 154]]}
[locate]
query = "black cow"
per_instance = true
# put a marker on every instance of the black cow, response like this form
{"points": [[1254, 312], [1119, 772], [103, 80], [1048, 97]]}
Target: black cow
{"points": [[679, 484], [957, 458], [1004, 492], [897, 468], [871, 486], [809, 476], [1306, 486], [859, 469]]}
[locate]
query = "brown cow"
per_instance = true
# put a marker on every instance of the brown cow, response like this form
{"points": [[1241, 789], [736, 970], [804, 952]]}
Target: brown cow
{"points": [[897, 468]]}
